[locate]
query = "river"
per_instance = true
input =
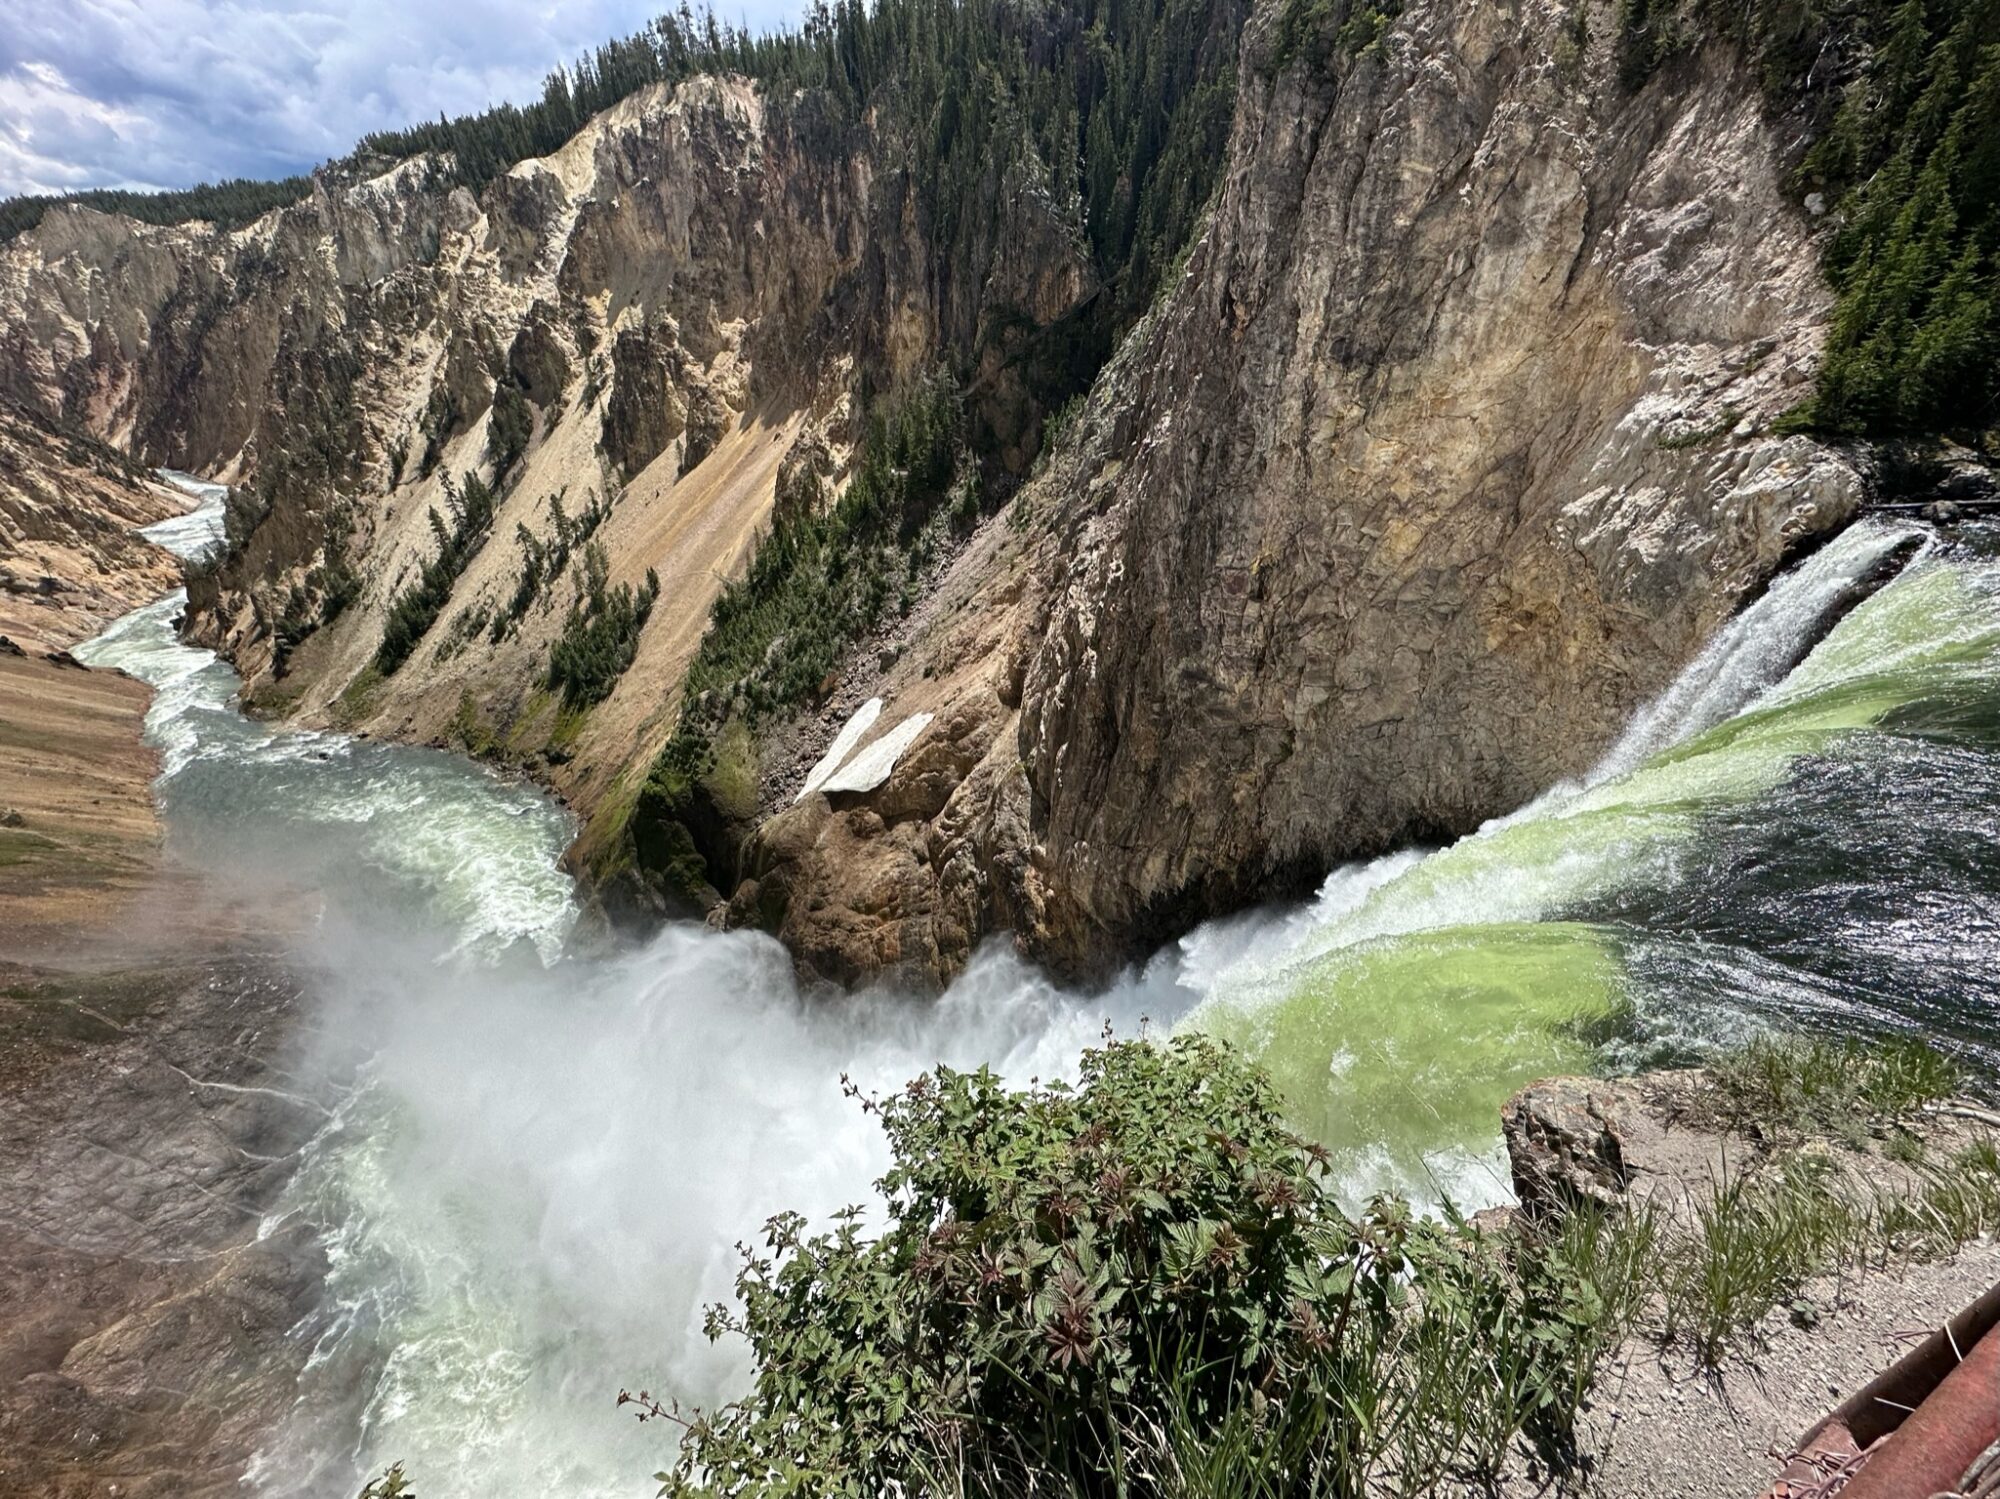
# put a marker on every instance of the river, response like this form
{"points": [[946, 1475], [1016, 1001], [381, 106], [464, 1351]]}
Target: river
{"points": [[542, 1162]]}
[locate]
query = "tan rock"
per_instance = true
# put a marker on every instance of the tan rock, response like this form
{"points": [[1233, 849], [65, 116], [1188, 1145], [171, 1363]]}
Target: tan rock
{"points": [[1448, 449]]}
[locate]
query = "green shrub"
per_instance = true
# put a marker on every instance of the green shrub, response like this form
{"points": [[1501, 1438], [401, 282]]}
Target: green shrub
{"points": [[1121, 1287], [601, 635], [416, 608]]}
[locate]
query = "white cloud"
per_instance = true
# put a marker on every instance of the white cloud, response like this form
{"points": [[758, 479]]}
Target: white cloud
{"points": [[165, 93], [46, 126]]}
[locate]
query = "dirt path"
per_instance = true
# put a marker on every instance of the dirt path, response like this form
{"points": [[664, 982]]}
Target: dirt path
{"points": [[1664, 1429]]}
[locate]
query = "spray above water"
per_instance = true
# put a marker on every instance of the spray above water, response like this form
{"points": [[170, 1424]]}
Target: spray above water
{"points": [[541, 1164]]}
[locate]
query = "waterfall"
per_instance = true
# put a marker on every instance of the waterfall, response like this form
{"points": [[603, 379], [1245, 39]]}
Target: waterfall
{"points": [[543, 1163]]}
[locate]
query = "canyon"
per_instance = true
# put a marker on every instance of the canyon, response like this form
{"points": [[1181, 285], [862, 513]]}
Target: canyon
{"points": [[1450, 438], [893, 548]]}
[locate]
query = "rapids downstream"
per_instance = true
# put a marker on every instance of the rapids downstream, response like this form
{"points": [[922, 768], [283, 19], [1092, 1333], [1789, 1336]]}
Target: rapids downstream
{"points": [[541, 1162]]}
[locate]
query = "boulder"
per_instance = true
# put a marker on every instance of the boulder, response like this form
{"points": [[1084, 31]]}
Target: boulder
{"points": [[1580, 1139]]}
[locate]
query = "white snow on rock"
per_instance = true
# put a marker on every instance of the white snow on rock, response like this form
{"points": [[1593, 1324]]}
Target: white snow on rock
{"points": [[843, 742], [873, 765]]}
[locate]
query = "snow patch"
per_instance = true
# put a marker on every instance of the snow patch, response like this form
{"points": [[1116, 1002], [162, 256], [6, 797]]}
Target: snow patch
{"points": [[843, 742], [873, 765]]}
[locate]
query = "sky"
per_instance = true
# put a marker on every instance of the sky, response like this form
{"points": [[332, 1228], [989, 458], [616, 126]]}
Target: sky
{"points": [[168, 93]]}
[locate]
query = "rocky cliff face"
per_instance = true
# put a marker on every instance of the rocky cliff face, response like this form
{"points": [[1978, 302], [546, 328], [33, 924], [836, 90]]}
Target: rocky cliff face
{"points": [[640, 327], [69, 561], [1448, 448]]}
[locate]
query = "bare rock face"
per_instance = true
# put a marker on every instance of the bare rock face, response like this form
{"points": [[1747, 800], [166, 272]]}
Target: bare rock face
{"points": [[701, 273], [646, 410], [802, 476], [539, 361], [1447, 450], [69, 561], [1411, 518]]}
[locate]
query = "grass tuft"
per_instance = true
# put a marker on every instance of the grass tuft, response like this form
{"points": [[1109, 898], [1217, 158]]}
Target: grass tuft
{"points": [[1795, 1084]]}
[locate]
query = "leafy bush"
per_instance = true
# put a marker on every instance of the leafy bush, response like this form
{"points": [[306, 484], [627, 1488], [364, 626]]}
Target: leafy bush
{"points": [[1100, 1289], [417, 607]]}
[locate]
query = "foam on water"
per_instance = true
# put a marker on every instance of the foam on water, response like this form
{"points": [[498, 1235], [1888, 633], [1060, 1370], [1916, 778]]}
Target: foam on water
{"points": [[200, 529], [1450, 969], [542, 1163]]}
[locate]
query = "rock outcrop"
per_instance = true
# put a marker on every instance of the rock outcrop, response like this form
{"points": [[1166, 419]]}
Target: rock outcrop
{"points": [[1452, 442], [69, 561], [1608, 1141]]}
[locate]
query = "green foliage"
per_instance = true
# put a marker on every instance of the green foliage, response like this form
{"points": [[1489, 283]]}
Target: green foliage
{"points": [[601, 635], [543, 561], [1799, 1084], [469, 728], [1121, 107], [509, 428], [1751, 1246], [417, 607], [1902, 98], [228, 205], [323, 595], [1649, 31], [1757, 1240], [818, 583], [1139, 1286], [1915, 343], [440, 420], [1319, 31]]}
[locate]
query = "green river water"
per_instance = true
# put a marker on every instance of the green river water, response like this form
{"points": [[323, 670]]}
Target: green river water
{"points": [[540, 1163]]}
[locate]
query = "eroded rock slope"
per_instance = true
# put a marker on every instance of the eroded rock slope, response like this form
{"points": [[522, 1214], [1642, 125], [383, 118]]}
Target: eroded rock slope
{"points": [[1450, 441], [638, 329], [1447, 449]]}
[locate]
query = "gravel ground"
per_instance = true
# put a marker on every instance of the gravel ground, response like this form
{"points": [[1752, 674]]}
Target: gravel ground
{"points": [[1665, 1430]]}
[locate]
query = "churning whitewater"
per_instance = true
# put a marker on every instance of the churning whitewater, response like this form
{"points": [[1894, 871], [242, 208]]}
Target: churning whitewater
{"points": [[540, 1163]]}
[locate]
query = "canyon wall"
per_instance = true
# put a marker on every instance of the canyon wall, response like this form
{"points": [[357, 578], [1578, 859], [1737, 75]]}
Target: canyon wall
{"points": [[644, 324], [1451, 439], [1451, 444], [70, 561]]}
